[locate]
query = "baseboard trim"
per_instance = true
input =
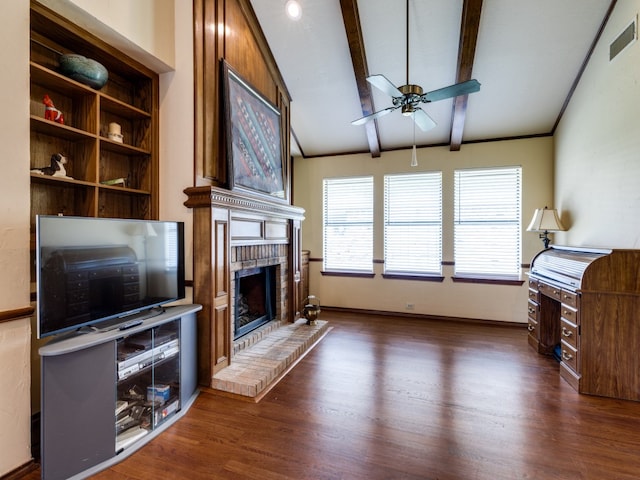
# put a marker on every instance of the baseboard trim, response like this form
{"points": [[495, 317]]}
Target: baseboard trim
{"points": [[422, 316], [21, 471]]}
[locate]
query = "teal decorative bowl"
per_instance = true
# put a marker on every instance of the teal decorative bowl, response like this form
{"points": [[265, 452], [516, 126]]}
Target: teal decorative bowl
{"points": [[84, 70]]}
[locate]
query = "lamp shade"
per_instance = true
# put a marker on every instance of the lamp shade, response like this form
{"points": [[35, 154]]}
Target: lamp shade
{"points": [[546, 220]]}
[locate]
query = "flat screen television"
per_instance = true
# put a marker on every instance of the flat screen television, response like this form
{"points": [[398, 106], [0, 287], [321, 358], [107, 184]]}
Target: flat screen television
{"points": [[100, 271]]}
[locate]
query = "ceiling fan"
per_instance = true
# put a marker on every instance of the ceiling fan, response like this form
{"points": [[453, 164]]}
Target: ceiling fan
{"points": [[409, 97]]}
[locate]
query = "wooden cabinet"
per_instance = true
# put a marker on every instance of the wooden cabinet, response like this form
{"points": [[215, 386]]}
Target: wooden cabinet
{"points": [[583, 306], [104, 177]]}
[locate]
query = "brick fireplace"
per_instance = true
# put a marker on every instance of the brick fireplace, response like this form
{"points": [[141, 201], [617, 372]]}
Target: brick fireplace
{"points": [[233, 232], [249, 260], [253, 299]]}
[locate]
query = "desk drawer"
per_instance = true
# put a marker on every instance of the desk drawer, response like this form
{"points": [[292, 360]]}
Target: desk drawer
{"points": [[532, 327], [569, 314], [533, 295], [569, 333], [549, 290], [533, 284], [569, 355], [570, 298], [532, 310]]}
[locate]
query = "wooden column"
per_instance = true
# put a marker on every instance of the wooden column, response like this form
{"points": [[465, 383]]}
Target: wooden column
{"points": [[211, 286]]}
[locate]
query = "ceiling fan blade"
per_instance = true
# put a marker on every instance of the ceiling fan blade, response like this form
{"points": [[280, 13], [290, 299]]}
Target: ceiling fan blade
{"points": [[463, 88], [424, 121], [378, 114], [383, 84]]}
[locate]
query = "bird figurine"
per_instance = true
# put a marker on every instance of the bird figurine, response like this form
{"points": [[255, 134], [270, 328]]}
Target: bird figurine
{"points": [[51, 112]]}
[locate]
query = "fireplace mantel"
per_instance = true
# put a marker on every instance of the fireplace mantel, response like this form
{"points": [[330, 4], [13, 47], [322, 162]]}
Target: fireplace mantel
{"points": [[228, 224], [222, 198]]}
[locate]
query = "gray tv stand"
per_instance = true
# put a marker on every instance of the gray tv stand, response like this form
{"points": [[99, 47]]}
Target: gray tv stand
{"points": [[107, 393]]}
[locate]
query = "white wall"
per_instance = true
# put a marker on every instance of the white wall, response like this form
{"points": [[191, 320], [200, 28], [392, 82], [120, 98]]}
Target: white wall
{"points": [[15, 438], [176, 130], [598, 146], [482, 301]]}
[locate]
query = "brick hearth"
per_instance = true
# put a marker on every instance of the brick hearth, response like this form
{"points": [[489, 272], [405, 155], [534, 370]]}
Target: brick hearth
{"points": [[264, 356]]}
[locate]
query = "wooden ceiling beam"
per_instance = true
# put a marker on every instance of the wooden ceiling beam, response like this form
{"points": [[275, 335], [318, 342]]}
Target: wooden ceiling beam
{"points": [[353, 29], [469, 27]]}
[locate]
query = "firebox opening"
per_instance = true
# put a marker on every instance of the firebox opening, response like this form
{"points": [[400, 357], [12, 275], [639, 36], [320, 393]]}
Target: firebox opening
{"points": [[255, 299]]}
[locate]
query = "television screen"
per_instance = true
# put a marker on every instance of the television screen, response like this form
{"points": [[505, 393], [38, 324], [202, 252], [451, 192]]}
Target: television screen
{"points": [[94, 270]]}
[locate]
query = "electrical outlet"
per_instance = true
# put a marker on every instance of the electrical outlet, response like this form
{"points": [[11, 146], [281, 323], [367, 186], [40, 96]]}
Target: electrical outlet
{"points": [[410, 306]]}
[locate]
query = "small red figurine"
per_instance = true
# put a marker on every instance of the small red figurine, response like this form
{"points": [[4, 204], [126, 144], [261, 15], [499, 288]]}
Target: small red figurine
{"points": [[51, 112]]}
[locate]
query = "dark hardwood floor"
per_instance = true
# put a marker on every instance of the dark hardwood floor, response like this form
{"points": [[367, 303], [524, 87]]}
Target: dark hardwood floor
{"points": [[398, 398]]}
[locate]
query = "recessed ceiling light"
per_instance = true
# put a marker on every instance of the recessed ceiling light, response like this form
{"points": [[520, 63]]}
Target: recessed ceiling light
{"points": [[294, 11]]}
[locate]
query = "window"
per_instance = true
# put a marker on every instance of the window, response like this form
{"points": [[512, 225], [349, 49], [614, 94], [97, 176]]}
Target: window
{"points": [[348, 224], [413, 223], [487, 222]]}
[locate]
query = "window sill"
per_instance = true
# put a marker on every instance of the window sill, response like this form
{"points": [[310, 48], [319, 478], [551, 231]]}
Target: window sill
{"points": [[488, 279], [347, 274], [408, 276]]}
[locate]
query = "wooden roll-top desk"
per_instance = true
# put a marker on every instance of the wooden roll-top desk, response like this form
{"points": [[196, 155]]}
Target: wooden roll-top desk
{"points": [[584, 306]]}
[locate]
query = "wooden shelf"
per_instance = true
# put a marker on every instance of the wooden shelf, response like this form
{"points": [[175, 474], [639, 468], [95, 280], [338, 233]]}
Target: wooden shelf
{"points": [[122, 148], [60, 181], [45, 76], [47, 127], [116, 188], [122, 109]]}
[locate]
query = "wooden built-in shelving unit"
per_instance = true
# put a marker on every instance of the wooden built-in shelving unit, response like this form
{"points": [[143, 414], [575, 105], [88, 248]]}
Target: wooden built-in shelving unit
{"points": [[129, 98]]}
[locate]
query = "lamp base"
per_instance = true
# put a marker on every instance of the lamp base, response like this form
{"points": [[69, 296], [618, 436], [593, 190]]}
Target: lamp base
{"points": [[545, 239]]}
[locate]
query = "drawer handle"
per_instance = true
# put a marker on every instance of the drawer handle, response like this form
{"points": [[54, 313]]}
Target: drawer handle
{"points": [[566, 356], [566, 333], [556, 292], [532, 310], [531, 328], [567, 312], [567, 297]]}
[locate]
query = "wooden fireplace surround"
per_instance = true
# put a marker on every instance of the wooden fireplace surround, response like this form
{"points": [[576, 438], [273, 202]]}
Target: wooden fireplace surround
{"points": [[224, 219]]}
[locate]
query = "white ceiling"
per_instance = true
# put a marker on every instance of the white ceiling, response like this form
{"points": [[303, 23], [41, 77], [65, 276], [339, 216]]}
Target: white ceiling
{"points": [[528, 56]]}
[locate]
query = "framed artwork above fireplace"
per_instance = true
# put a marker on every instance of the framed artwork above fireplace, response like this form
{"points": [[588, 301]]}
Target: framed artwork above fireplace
{"points": [[253, 139]]}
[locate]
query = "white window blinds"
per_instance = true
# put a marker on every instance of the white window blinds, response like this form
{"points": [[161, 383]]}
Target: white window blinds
{"points": [[348, 224], [171, 245], [487, 222], [413, 223]]}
